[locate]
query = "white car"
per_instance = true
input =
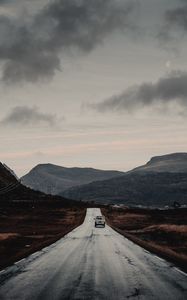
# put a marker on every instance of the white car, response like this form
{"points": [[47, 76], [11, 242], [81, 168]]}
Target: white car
{"points": [[99, 221]]}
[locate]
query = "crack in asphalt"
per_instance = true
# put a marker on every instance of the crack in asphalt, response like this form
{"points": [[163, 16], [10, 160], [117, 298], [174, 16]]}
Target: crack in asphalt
{"points": [[136, 293]]}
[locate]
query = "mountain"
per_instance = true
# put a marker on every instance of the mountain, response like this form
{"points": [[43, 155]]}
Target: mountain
{"points": [[146, 189], [7, 177], [11, 171], [160, 182], [52, 179], [12, 191], [175, 163]]}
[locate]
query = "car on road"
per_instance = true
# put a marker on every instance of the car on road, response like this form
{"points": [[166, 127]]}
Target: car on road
{"points": [[99, 221]]}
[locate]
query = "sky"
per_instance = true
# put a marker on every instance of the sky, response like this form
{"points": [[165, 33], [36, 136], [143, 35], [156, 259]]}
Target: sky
{"points": [[92, 83]]}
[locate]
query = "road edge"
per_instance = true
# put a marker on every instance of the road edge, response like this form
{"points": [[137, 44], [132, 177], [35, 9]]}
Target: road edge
{"points": [[170, 258]]}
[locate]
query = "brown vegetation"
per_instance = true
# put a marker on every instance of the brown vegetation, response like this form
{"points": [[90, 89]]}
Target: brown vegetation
{"points": [[26, 229], [163, 232]]}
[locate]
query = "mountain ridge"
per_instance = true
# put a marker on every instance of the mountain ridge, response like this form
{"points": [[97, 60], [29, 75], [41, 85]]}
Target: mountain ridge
{"points": [[53, 179], [133, 189], [13, 191], [173, 162], [161, 181]]}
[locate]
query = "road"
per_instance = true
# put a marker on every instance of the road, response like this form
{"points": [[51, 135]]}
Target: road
{"points": [[93, 263]]}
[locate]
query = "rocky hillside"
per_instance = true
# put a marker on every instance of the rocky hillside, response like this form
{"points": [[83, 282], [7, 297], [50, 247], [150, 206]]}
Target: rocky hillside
{"points": [[153, 189], [11, 190], [6, 177], [160, 182], [52, 179], [175, 163]]}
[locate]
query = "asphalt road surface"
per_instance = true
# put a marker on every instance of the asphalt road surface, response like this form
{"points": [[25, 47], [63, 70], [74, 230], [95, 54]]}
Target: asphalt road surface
{"points": [[93, 263]]}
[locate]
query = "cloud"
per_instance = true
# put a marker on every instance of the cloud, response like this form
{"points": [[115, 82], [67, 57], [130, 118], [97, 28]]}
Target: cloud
{"points": [[31, 50], [175, 20], [169, 89], [23, 115], [178, 16]]}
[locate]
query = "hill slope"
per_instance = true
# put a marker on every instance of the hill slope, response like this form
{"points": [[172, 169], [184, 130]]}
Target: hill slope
{"points": [[6, 177], [175, 163], [153, 189], [11, 190], [159, 182], [53, 179]]}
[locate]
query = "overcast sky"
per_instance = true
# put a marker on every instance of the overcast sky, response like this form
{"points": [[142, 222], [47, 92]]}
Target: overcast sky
{"points": [[95, 83]]}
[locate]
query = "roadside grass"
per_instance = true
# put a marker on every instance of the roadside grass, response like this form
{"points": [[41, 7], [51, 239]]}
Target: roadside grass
{"points": [[26, 230], [163, 232]]}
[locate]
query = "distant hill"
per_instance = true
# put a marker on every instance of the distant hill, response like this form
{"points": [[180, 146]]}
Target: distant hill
{"points": [[53, 179], [153, 189], [11, 191], [159, 182], [175, 163]]}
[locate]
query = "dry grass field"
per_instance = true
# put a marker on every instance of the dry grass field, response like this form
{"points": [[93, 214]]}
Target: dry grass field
{"points": [[24, 230], [163, 232]]}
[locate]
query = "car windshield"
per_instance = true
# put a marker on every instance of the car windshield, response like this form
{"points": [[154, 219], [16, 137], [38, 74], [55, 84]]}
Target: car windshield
{"points": [[99, 217]]}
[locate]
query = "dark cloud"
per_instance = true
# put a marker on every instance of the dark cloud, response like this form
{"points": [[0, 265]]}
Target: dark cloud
{"points": [[15, 1], [178, 16], [172, 88], [175, 20], [31, 51], [23, 115]]}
